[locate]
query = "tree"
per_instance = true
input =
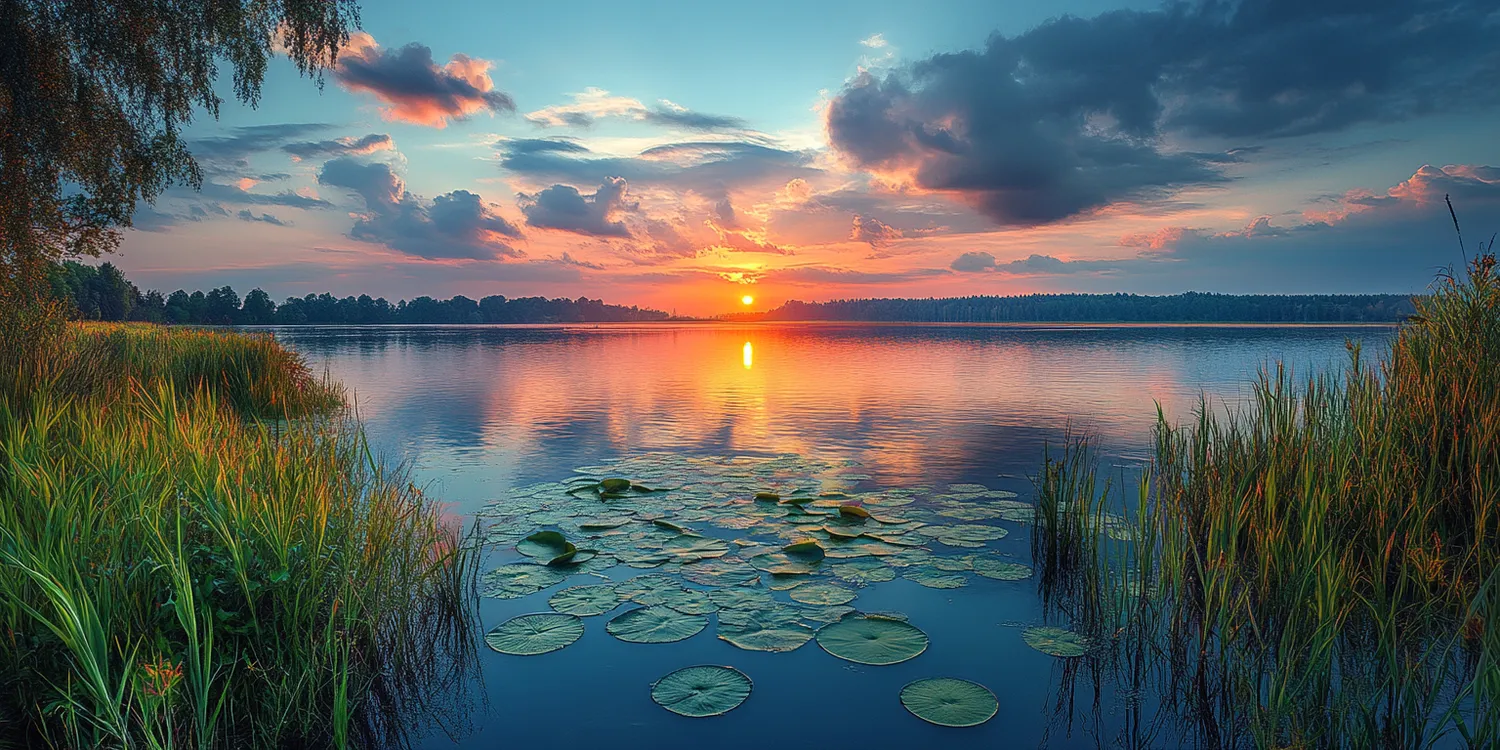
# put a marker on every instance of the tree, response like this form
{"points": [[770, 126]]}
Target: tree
{"points": [[221, 307], [258, 308], [112, 293], [93, 99]]}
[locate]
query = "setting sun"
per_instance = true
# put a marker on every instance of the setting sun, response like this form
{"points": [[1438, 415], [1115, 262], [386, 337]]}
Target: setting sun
{"points": [[747, 299]]}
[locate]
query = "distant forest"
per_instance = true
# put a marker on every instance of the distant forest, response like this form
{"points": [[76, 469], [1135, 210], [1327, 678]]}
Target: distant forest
{"points": [[103, 293], [1193, 307]]}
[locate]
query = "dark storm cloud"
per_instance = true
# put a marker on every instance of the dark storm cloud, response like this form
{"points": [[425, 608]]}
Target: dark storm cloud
{"points": [[1070, 116], [453, 225], [414, 88], [348, 146], [564, 207]]}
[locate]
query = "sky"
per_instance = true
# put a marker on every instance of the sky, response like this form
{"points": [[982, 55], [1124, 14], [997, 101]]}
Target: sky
{"points": [[684, 156]]}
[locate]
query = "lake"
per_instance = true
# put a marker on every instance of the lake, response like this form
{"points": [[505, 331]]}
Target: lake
{"points": [[491, 419]]}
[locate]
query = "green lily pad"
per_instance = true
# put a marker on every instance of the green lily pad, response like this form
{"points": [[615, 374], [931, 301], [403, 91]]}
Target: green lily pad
{"points": [[805, 549], [862, 571], [949, 702], [768, 497], [850, 510], [935, 579], [614, 484], [1001, 570], [1057, 642], [585, 601], [545, 545], [603, 523], [658, 624], [529, 635], [822, 593], [872, 640], [516, 580], [689, 601], [701, 691], [765, 631]]}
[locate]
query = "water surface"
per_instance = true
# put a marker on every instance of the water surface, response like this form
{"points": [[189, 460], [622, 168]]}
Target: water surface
{"points": [[478, 411]]}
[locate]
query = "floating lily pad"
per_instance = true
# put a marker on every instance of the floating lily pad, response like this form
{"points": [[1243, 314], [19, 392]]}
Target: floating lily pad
{"points": [[851, 510], [657, 624], [741, 597], [614, 484], [805, 549], [935, 579], [822, 593], [702, 691], [872, 639], [529, 635], [768, 497], [765, 631], [519, 579], [689, 601], [545, 545], [603, 523], [1001, 570], [863, 571], [585, 601], [949, 702], [1056, 641]]}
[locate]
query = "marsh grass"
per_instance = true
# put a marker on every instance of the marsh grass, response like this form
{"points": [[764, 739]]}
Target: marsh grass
{"points": [[1319, 567], [182, 565]]}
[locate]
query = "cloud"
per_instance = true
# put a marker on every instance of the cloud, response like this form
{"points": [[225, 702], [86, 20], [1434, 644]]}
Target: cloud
{"points": [[1077, 114], [594, 104], [874, 41], [709, 167], [248, 215], [413, 88], [873, 231], [346, 146], [827, 275], [563, 207], [973, 262], [458, 224], [239, 143]]}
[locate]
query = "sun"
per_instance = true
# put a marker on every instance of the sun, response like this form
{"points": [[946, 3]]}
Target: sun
{"points": [[747, 299]]}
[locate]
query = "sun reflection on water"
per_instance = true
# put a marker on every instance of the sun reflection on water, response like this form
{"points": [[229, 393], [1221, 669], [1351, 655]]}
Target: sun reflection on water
{"points": [[748, 355]]}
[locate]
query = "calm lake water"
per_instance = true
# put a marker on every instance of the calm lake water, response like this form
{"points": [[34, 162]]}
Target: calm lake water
{"points": [[481, 411]]}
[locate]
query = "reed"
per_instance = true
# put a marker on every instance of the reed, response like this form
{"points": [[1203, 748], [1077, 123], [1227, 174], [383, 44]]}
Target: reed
{"points": [[1317, 568], [178, 571]]}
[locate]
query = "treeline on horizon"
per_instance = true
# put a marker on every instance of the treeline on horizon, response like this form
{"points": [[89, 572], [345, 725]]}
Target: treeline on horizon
{"points": [[1191, 307], [103, 293]]}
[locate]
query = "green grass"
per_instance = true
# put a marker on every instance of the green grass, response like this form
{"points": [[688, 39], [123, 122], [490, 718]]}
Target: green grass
{"points": [[178, 570], [1318, 568]]}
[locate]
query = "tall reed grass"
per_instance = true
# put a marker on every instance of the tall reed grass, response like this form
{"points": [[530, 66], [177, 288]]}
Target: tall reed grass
{"points": [[1320, 568], [178, 571]]}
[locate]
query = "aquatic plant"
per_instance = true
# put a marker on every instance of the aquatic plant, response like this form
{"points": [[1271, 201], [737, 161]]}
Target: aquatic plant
{"points": [[176, 573], [1317, 568]]}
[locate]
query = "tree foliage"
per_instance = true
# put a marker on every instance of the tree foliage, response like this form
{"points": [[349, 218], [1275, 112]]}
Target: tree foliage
{"points": [[1192, 307], [103, 293], [94, 96]]}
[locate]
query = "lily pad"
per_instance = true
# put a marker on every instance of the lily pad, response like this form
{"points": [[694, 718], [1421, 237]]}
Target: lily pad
{"points": [[822, 593], [545, 545], [949, 702], [657, 624], [614, 484], [1000, 570], [935, 579], [765, 631], [529, 635], [1057, 642], [863, 571], [586, 601], [872, 639], [516, 580], [702, 691]]}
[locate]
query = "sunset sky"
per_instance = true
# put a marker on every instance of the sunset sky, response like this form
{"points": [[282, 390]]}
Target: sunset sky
{"points": [[685, 155]]}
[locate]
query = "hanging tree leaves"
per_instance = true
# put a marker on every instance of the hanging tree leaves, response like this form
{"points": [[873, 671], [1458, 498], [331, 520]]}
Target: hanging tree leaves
{"points": [[94, 95]]}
